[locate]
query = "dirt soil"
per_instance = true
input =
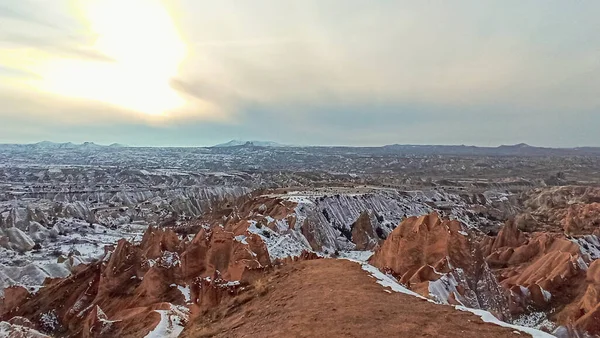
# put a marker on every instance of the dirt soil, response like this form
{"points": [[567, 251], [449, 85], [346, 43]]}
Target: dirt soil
{"points": [[334, 298]]}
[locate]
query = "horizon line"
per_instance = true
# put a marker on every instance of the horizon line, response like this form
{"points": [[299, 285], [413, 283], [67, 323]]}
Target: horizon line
{"points": [[281, 145]]}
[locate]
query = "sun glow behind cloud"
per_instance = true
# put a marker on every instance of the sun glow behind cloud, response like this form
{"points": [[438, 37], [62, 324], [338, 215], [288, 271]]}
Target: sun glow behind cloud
{"points": [[142, 39]]}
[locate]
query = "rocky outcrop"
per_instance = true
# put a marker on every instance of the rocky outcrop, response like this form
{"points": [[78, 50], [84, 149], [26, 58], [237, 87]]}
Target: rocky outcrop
{"points": [[583, 314], [438, 259], [548, 273], [19, 328], [223, 251], [112, 206], [582, 219], [574, 210], [14, 239], [363, 234], [135, 287]]}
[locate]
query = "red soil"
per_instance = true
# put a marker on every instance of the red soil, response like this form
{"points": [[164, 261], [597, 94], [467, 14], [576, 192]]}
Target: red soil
{"points": [[333, 298]]}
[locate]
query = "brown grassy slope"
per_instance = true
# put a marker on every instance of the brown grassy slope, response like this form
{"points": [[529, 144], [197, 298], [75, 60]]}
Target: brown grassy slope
{"points": [[334, 298]]}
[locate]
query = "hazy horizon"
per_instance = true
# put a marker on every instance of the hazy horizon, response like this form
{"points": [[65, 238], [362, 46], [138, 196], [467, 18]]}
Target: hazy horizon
{"points": [[290, 145], [341, 72]]}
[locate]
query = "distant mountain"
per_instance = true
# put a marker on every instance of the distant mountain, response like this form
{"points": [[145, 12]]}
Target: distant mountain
{"points": [[66, 145], [52, 145], [521, 149], [237, 143]]}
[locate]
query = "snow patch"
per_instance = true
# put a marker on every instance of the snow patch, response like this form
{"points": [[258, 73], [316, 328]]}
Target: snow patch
{"points": [[441, 289], [49, 321], [547, 295], [185, 291], [280, 245], [169, 259], [241, 239], [171, 323], [489, 318], [389, 281], [358, 256]]}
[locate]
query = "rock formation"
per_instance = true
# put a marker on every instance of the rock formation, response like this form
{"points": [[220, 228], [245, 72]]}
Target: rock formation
{"points": [[547, 272], [437, 258], [363, 234], [572, 209], [135, 287]]}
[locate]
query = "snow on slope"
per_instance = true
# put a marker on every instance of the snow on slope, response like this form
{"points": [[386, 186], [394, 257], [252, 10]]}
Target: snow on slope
{"points": [[77, 243], [489, 318], [388, 281], [171, 323], [280, 245], [324, 217], [335, 211], [18, 331]]}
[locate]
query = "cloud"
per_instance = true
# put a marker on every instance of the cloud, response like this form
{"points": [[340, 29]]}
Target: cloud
{"points": [[463, 54], [355, 72], [9, 72], [68, 47], [21, 10], [47, 27]]}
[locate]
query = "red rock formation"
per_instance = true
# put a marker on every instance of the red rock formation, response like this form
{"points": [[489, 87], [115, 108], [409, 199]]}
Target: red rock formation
{"points": [[509, 236], [309, 232], [582, 219], [219, 250], [363, 233], [13, 296], [547, 272], [584, 313], [572, 209], [119, 296], [423, 250]]}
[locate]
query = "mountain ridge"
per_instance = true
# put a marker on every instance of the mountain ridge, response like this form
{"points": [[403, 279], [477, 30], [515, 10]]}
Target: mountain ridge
{"points": [[237, 143], [520, 149]]}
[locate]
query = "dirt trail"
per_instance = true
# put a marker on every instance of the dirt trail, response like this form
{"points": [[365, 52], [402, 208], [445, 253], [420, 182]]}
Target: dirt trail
{"points": [[335, 298]]}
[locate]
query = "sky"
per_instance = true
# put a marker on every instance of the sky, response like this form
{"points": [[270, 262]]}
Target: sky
{"points": [[310, 72]]}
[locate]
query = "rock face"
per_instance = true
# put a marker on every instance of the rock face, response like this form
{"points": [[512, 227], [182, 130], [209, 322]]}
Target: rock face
{"points": [[584, 312], [582, 219], [548, 276], [14, 239], [548, 272], [24, 221], [438, 259], [363, 234], [135, 288], [19, 328], [296, 221], [572, 209]]}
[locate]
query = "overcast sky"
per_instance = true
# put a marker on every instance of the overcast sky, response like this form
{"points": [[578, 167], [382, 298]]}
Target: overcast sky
{"points": [[332, 72]]}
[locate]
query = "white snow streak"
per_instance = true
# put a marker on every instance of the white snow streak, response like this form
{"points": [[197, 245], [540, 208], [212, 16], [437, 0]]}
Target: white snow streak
{"points": [[388, 281], [170, 325]]}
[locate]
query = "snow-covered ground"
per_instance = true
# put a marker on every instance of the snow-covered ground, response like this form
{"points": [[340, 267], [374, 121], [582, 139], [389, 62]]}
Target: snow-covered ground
{"points": [[76, 243], [171, 323]]}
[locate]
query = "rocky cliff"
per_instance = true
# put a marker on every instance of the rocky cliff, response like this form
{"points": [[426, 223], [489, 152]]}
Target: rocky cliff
{"points": [[439, 259]]}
